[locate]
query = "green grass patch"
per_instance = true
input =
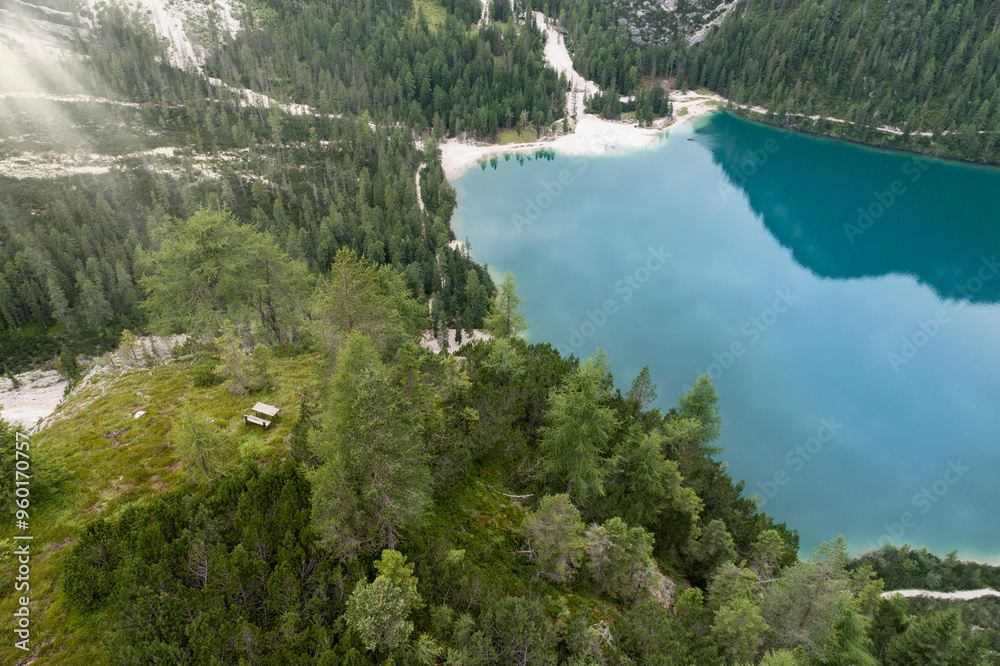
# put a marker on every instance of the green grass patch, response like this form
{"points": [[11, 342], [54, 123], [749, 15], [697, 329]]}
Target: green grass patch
{"points": [[104, 459], [506, 137], [433, 11]]}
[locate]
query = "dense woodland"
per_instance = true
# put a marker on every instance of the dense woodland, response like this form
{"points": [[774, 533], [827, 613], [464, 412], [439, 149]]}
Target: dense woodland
{"points": [[904, 568], [336, 557], [508, 507], [926, 69], [67, 261], [603, 50], [67, 270], [353, 57], [71, 263], [511, 507], [922, 67]]}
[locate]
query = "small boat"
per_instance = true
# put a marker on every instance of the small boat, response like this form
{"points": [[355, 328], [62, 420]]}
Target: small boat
{"points": [[690, 138]]}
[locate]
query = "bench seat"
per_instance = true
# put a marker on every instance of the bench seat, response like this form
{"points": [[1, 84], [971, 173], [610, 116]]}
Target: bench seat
{"points": [[248, 418]]}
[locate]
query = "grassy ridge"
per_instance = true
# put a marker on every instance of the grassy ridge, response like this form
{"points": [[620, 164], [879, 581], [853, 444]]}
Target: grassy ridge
{"points": [[99, 459]]}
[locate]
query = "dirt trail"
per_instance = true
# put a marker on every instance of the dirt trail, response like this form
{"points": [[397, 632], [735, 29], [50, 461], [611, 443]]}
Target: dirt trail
{"points": [[420, 196]]}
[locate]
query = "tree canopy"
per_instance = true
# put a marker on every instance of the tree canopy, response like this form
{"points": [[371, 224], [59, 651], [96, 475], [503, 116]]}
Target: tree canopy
{"points": [[210, 269]]}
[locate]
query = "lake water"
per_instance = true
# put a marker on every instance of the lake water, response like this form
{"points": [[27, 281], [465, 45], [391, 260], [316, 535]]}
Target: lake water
{"points": [[844, 300]]}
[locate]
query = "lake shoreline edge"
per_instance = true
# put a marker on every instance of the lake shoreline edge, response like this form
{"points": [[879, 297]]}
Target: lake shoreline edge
{"points": [[593, 136]]}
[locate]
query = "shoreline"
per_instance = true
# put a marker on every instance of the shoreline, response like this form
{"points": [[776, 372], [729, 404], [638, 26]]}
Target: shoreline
{"points": [[592, 136], [961, 595], [762, 118]]}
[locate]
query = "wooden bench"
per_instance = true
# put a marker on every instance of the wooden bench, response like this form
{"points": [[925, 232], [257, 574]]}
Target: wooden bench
{"points": [[248, 418], [264, 410]]}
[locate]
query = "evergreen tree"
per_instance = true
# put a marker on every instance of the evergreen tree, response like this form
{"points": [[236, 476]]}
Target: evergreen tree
{"points": [[936, 639], [235, 365], [701, 406], [199, 444], [643, 483], [521, 632], [210, 268], [620, 560], [373, 484], [127, 343], [643, 390], [506, 318], [360, 298], [714, 547], [738, 629], [380, 611], [808, 603], [578, 431], [555, 532]]}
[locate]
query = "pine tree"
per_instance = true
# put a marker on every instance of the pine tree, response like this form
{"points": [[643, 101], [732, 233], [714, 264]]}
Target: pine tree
{"points": [[373, 484], [127, 342], [701, 405], [738, 629], [578, 431], [358, 297], [643, 389], [506, 318], [936, 639], [234, 363], [380, 611], [643, 483], [199, 445], [620, 559], [210, 268], [555, 532]]}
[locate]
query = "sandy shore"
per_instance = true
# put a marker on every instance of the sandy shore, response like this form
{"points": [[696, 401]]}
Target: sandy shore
{"points": [[591, 136], [964, 595]]}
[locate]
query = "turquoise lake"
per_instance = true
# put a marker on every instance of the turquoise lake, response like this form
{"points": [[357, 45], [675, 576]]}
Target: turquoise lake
{"points": [[844, 300]]}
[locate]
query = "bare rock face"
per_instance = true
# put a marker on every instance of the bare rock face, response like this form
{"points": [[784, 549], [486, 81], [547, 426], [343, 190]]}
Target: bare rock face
{"points": [[35, 395], [658, 21], [664, 591]]}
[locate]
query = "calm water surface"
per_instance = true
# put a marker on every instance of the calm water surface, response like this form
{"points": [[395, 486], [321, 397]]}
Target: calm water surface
{"points": [[844, 300]]}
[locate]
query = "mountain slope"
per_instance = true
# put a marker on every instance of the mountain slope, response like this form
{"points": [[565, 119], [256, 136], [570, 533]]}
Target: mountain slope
{"points": [[925, 68]]}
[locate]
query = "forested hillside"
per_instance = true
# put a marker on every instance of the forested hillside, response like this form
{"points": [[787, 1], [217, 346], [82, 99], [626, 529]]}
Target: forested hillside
{"points": [[926, 68], [337, 170], [419, 508], [604, 49], [277, 208], [904, 568], [915, 75], [355, 57]]}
